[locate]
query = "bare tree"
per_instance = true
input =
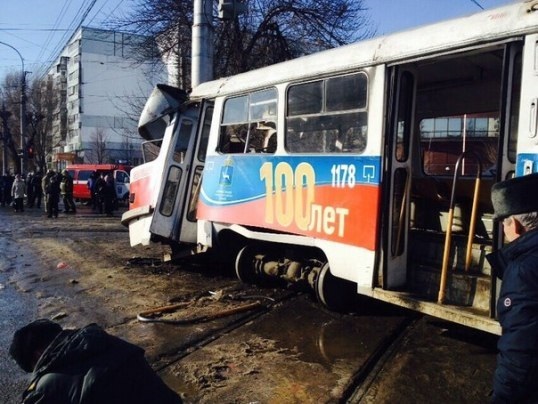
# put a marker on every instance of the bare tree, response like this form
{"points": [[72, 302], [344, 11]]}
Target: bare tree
{"points": [[270, 31], [11, 100], [42, 104], [98, 152]]}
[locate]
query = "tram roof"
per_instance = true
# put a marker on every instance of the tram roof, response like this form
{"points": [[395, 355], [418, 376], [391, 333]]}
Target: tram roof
{"points": [[496, 24]]}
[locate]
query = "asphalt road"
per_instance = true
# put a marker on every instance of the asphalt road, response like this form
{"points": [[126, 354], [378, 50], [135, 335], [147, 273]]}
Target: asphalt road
{"points": [[226, 342]]}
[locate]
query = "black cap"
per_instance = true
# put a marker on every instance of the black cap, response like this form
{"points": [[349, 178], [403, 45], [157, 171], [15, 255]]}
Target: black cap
{"points": [[36, 335], [515, 196]]}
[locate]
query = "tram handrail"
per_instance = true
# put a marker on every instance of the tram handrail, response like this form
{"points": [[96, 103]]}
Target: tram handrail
{"points": [[448, 237], [403, 208]]}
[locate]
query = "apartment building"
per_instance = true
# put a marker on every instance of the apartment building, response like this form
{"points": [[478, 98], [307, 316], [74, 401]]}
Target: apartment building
{"points": [[102, 89]]}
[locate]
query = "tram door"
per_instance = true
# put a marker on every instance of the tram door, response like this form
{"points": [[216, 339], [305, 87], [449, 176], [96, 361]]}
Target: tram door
{"points": [[167, 217], [188, 231], [398, 174]]}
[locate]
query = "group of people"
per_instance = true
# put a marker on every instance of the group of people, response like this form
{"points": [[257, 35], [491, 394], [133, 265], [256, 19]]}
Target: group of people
{"points": [[56, 185], [37, 188], [103, 192], [53, 187], [13, 190]]}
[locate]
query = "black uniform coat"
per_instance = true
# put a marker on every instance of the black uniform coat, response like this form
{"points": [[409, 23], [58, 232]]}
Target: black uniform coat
{"points": [[91, 366], [516, 375]]}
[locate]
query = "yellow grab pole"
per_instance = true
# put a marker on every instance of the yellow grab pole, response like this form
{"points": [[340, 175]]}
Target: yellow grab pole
{"points": [[446, 256], [472, 225]]}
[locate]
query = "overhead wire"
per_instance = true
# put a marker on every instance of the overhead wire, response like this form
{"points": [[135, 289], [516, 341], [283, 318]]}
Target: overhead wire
{"points": [[109, 14], [54, 26], [75, 24], [477, 3]]}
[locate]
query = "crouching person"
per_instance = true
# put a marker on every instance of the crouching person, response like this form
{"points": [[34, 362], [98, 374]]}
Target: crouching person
{"points": [[84, 366]]}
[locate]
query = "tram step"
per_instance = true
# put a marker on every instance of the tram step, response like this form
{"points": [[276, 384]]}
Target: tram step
{"points": [[467, 316], [463, 289], [427, 248]]}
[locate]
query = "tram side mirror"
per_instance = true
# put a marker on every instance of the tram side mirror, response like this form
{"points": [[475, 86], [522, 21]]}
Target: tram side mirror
{"points": [[155, 117]]}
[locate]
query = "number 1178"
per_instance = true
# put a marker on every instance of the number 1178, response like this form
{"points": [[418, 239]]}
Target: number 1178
{"points": [[343, 175]]}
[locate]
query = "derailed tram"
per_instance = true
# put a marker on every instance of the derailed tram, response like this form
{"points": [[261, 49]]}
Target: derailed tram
{"points": [[363, 169]]}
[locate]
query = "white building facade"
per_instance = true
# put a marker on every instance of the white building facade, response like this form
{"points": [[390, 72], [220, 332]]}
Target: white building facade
{"points": [[102, 88]]}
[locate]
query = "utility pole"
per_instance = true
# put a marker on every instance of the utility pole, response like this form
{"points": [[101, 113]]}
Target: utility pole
{"points": [[4, 115], [202, 42], [23, 120]]}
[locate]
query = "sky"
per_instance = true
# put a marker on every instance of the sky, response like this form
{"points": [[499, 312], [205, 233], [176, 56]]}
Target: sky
{"points": [[39, 29]]}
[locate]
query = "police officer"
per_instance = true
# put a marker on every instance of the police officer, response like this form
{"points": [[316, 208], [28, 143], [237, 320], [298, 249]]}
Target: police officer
{"points": [[515, 202]]}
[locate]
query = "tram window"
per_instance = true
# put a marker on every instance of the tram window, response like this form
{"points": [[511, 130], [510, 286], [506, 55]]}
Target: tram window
{"points": [[514, 110], [171, 188], [183, 138], [328, 116], [444, 139], [347, 92], [403, 128], [249, 123], [235, 110], [195, 194], [151, 149], [202, 149], [305, 98]]}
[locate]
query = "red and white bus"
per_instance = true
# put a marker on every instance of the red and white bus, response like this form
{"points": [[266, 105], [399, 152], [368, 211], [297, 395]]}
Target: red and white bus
{"points": [[363, 169]]}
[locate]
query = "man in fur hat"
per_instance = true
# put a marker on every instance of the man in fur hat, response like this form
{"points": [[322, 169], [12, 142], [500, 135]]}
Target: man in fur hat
{"points": [[515, 202], [86, 365]]}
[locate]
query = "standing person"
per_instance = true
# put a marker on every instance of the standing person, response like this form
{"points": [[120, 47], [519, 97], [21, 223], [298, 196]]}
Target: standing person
{"points": [[85, 366], [3, 183], [515, 202], [109, 195], [30, 194], [91, 188], [18, 189], [66, 188], [99, 188], [38, 190], [7, 188], [44, 186], [53, 195]]}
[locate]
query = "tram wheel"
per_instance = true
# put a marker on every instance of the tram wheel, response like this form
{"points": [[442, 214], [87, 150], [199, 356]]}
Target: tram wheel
{"points": [[334, 293], [244, 264]]}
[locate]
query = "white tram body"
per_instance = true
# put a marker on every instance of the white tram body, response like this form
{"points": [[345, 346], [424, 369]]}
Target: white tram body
{"points": [[365, 168]]}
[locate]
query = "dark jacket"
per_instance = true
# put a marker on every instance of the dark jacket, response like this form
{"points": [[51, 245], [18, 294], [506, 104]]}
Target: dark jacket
{"points": [[517, 309], [53, 188], [66, 186], [36, 184], [91, 366]]}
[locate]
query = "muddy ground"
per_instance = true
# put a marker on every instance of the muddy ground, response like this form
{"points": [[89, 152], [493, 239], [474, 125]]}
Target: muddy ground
{"points": [[226, 342]]}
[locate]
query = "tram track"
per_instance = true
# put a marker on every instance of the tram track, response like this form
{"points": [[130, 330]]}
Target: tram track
{"points": [[367, 374], [227, 329]]}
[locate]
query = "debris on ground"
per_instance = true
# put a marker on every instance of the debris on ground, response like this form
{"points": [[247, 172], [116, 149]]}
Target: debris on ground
{"points": [[62, 265]]}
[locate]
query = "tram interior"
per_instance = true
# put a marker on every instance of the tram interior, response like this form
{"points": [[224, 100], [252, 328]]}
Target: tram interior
{"points": [[457, 110]]}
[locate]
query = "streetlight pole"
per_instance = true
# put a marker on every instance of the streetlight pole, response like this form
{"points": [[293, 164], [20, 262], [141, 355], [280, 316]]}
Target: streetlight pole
{"points": [[23, 106]]}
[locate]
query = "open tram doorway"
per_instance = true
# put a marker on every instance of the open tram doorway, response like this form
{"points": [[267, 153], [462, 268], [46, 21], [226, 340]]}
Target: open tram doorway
{"points": [[451, 113]]}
